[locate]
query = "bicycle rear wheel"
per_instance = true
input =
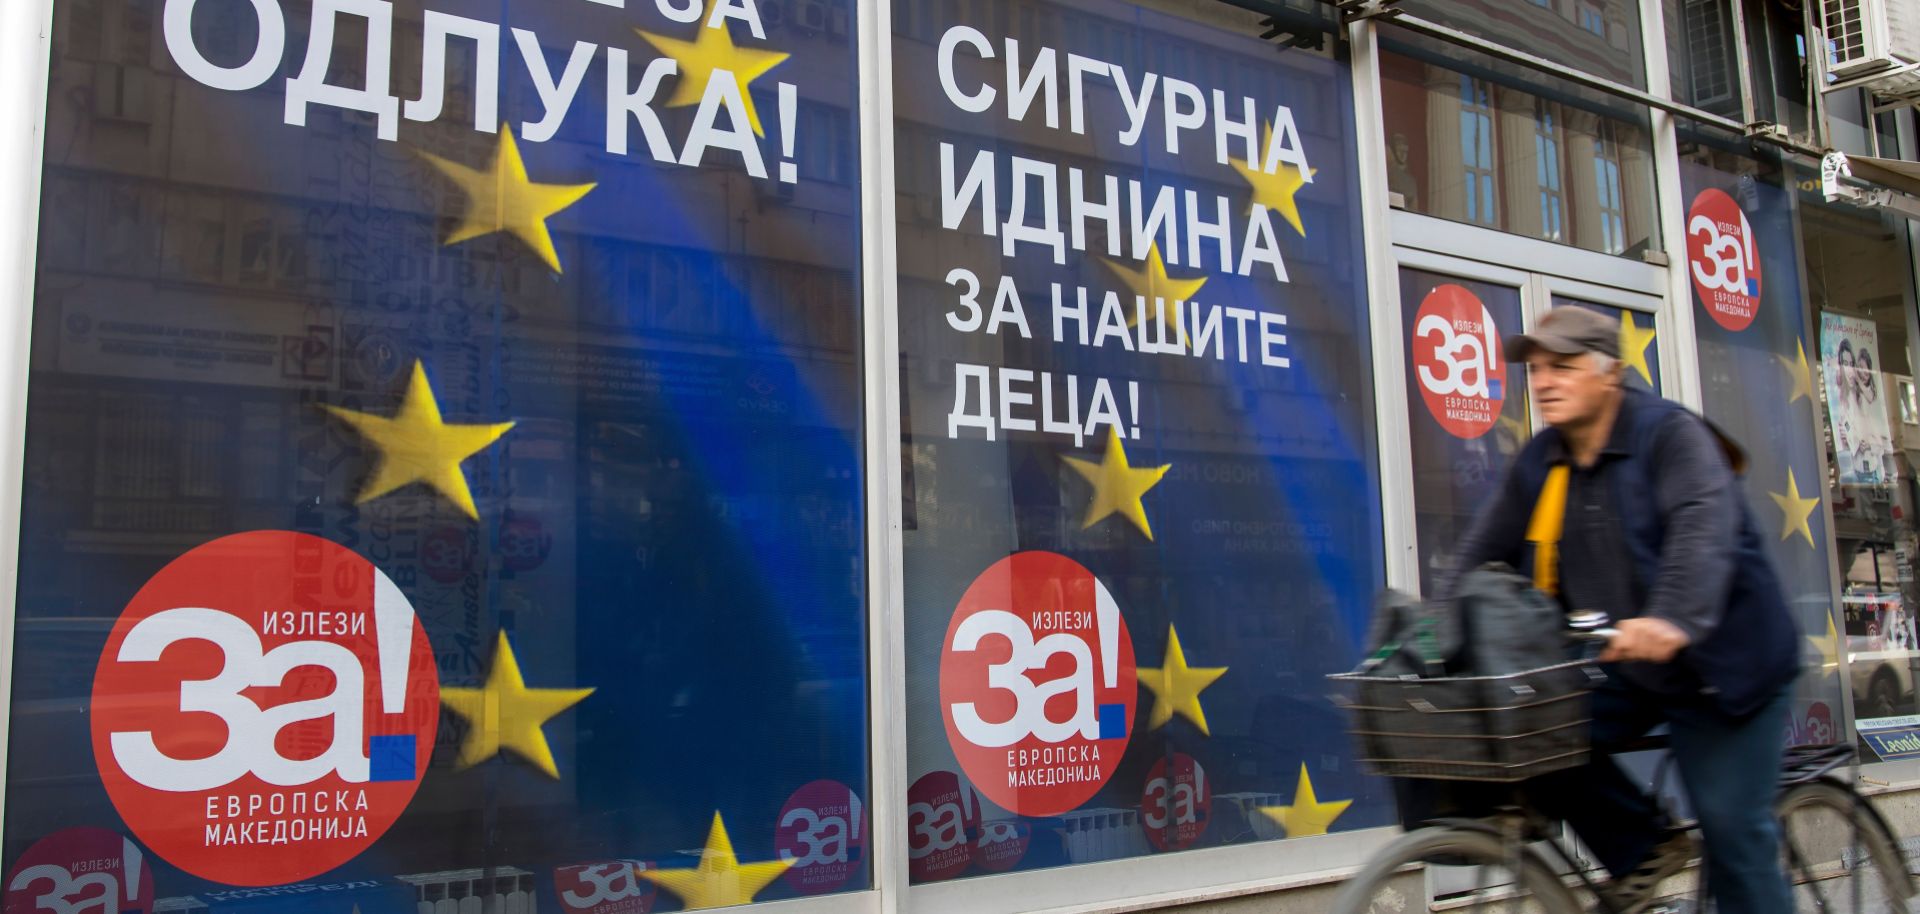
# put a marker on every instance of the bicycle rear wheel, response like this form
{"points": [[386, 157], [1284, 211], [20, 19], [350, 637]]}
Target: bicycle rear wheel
{"points": [[1493, 875], [1839, 854]]}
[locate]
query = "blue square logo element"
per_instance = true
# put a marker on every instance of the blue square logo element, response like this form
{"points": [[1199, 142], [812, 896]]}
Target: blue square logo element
{"points": [[1113, 721], [1496, 389], [1753, 288], [391, 758]]}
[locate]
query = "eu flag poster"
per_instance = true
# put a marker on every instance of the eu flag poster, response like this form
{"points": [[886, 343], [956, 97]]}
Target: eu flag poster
{"points": [[443, 476], [1142, 516]]}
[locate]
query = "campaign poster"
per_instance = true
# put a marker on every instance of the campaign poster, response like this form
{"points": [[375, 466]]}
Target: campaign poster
{"points": [[1143, 511], [1856, 404], [445, 486]]}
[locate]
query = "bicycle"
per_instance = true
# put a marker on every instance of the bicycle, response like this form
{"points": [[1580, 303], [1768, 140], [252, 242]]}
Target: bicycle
{"points": [[1506, 729]]}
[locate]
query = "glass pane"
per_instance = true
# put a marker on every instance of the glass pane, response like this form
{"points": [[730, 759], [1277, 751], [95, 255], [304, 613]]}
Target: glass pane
{"points": [[1704, 64], [1752, 331], [1859, 287], [1601, 37], [1468, 407], [1133, 549], [1522, 155], [1782, 84], [1639, 341], [492, 495]]}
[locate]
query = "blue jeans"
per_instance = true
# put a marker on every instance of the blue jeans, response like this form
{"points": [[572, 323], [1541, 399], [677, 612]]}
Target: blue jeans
{"points": [[1731, 770]]}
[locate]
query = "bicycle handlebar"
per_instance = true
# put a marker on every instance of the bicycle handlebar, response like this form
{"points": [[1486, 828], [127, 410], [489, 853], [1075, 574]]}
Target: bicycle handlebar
{"points": [[1590, 625]]}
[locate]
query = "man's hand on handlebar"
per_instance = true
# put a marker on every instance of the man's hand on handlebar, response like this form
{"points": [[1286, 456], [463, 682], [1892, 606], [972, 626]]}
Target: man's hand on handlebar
{"points": [[1647, 639]]}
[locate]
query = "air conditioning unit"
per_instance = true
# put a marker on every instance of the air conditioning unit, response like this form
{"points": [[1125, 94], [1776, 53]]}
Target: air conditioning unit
{"points": [[1868, 37]]}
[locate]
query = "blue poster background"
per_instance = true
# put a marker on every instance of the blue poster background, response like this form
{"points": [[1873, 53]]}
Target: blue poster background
{"points": [[1750, 389], [675, 521], [1266, 531]]}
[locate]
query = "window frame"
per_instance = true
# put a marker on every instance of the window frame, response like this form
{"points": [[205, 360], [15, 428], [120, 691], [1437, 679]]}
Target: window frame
{"points": [[26, 49], [1548, 139], [1477, 109]]}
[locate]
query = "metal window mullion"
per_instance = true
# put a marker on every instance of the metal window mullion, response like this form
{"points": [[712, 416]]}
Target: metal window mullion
{"points": [[26, 29], [880, 356], [1679, 356], [1743, 61], [1391, 420]]}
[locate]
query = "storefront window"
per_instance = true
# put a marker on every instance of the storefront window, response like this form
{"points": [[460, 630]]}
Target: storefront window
{"points": [[1782, 75], [1142, 520], [1467, 143], [1601, 37], [443, 481], [1859, 293], [1759, 363], [1476, 151], [1704, 65], [1546, 159], [1467, 406]]}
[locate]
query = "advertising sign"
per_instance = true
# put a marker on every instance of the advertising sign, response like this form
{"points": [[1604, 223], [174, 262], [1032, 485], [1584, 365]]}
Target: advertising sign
{"points": [[1723, 259], [276, 691], [1856, 405]]}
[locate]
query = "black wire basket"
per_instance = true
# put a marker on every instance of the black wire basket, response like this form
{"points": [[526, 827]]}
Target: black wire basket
{"points": [[1472, 728]]}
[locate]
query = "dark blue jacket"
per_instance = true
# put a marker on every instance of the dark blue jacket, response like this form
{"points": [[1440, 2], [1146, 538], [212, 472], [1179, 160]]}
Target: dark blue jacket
{"points": [[1745, 646]]}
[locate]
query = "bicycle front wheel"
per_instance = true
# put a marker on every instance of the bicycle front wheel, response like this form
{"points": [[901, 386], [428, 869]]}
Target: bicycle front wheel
{"points": [[1471, 871], [1839, 854]]}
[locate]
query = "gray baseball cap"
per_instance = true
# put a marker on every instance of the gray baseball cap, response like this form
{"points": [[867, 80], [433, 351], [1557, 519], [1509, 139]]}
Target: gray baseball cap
{"points": [[1567, 330]]}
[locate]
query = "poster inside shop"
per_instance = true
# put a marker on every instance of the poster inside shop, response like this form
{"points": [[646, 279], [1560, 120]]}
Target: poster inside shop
{"points": [[1849, 360], [1883, 645], [443, 490], [1142, 518]]}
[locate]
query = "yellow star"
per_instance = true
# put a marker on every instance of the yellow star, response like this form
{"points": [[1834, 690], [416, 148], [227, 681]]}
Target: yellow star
{"points": [[1796, 510], [1275, 191], [720, 879], [1633, 345], [1176, 687], [1151, 282], [415, 446], [1117, 486], [1307, 816], [713, 49], [1829, 648], [1798, 373], [504, 714], [503, 199]]}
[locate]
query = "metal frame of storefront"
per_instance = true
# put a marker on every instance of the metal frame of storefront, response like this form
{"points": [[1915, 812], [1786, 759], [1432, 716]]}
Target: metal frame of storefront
{"points": [[26, 28]]}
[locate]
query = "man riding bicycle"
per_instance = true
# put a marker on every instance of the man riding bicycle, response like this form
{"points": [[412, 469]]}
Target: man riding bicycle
{"points": [[1628, 504]]}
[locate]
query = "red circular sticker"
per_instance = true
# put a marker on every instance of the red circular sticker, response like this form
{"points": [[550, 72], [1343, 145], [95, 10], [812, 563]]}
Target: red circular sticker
{"points": [[1003, 842], [1723, 257], [264, 708], [1037, 687], [943, 815], [1815, 730], [606, 887], [80, 870], [823, 830], [524, 543], [1457, 361], [1177, 803], [445, 555]]}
